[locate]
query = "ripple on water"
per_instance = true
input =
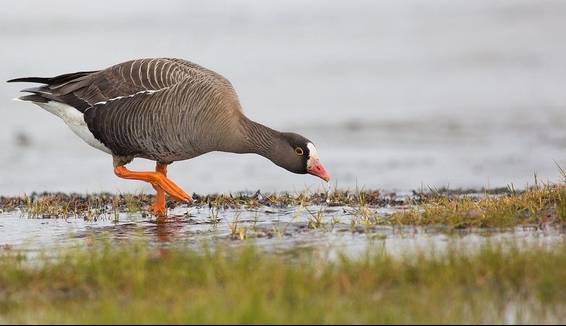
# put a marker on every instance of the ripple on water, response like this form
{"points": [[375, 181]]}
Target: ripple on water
{"points": [[269, 228]]}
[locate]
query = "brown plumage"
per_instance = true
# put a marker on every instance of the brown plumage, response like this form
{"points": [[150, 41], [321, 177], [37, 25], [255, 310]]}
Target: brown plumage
{"points": [[165, 110]]}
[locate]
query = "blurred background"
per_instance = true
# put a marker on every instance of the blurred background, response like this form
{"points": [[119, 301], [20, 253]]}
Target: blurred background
{"points": [[397, 95]]}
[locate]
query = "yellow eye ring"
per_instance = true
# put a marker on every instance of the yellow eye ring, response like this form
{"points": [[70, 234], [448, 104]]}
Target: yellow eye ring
{"points": [[299, 151]]}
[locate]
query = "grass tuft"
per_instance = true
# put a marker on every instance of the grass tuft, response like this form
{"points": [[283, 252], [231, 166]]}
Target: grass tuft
{"points": [[539, 205]]}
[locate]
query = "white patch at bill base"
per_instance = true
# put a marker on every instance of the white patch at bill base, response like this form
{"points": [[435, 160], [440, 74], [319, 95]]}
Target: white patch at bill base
{"points": [[313, 155]]}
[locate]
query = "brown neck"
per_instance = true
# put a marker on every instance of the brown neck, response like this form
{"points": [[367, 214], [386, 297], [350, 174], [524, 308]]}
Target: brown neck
{"points": [[259, 139], [253, 137], [256, 138]]}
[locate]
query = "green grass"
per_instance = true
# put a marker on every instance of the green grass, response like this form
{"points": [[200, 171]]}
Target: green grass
{"points": [[539, 205], [131, 283]]}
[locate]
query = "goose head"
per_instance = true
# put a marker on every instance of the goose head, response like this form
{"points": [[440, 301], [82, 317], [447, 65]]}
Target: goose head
{"points": [[297, 154]]}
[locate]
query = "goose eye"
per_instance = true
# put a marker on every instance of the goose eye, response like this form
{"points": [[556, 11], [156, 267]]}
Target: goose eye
{"points": [[299, 151]]}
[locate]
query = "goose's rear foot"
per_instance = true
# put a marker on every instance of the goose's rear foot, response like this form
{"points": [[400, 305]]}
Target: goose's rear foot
{"points": [[158, 207]]}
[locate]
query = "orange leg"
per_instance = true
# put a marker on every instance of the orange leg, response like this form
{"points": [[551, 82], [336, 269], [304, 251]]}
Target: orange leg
{"points": [[159, 205], [160, 183]]}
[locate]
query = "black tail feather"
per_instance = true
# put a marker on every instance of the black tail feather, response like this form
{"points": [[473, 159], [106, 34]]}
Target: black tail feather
{"points": [[52, 80], [42, 80], [33, 98], [58, 88], [40, 89]]}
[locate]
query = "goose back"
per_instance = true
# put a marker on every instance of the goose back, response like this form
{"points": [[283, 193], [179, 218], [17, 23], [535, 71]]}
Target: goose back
{"points": [[161, 109]]}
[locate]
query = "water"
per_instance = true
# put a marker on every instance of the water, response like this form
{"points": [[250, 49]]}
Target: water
{"points": [[397, 95], [271, 229]]}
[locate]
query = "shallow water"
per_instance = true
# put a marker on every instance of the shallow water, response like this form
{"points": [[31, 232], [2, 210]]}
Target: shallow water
{"points": [[397, 95], [271, 229]]}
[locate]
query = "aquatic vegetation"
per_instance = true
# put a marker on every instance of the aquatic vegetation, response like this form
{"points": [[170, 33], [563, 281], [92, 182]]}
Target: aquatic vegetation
{"points": [[539, 205], [316, 219], [133, 283], [44, 203], [237, 232], [62, 205]]}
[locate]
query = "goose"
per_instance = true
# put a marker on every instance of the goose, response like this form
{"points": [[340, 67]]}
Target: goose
{"points": [[165, 110]]}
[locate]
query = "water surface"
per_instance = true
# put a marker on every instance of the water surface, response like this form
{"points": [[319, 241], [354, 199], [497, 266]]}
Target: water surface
{"points": [[271, 229], [396, 94]]}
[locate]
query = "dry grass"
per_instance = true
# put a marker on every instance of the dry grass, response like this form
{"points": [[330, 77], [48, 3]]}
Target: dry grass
{"points": [[53, 205], [538, 205]]}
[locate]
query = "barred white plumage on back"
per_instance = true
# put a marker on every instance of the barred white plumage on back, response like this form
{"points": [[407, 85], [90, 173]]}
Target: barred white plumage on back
{"points": [[164, 110]]}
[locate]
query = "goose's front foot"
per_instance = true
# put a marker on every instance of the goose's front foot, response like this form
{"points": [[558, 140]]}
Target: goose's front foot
{"points": [[160, 183]]}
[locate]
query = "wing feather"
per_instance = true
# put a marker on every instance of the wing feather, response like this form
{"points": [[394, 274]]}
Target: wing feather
{"points": [[161, 109]]}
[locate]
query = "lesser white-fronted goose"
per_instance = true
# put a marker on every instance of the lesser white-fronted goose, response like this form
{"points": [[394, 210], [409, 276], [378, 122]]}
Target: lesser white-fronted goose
{"points": [[164, 110]]}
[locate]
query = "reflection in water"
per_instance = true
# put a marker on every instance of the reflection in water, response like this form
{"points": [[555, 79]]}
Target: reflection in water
{"points": [[167, 231], [270, 228]]}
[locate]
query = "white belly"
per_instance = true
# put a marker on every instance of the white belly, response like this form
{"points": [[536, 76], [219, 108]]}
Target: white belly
{"points": [[75, 120]]}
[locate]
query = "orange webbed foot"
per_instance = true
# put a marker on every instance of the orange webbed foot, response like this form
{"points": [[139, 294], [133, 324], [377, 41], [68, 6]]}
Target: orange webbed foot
{"points": [[157, 179], [172, 189], [160, 183]]}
